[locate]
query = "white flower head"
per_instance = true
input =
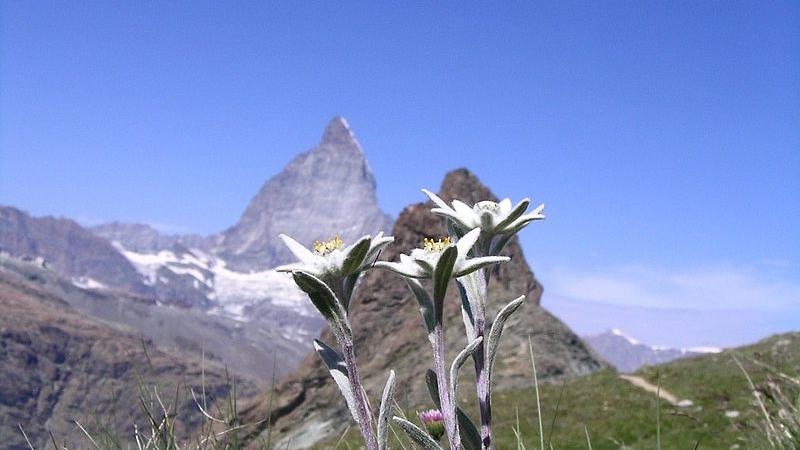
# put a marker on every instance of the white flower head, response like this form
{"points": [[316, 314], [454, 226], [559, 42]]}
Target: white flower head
{"points": [[422, 262], [331, 259], [493, 218]]}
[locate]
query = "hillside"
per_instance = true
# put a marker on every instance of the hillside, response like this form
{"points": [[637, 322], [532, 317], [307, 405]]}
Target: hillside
{"points": [[58, 366], [722, 415]]}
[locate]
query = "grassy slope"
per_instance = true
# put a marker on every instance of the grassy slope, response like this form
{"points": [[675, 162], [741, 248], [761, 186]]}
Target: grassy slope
{"points": [[617, 414]]}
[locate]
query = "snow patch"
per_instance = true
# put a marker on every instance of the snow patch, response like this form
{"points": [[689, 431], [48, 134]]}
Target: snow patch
{"points": [[232, 291], [703, 350], [87, 283], [620, 333]]}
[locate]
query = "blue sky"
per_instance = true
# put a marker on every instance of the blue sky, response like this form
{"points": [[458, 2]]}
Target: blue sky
{"points": [[663, 136]]}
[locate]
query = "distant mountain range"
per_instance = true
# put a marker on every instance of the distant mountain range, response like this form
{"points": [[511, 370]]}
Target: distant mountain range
{"points": [[629, 355]]}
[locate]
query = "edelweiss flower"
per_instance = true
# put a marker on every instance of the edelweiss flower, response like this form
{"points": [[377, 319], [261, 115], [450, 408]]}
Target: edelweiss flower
{"points": [[491, 217], [331, 259], [421, 263]]}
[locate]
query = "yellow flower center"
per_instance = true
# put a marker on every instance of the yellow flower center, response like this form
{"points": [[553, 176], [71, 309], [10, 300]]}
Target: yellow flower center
{"points": [[325, 247], [431, 245]]}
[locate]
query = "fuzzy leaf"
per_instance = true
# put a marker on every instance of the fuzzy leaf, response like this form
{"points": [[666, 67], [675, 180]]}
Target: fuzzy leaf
{"points": [[441, 278], [383, 415], [433, 387], [348, 286], [416, 434], [338, 370], [324, 300], [499, 243], [470, 437], [424, 302], [493, 342], [356, 256], [458, 362], [515, 213], [472, 288]]}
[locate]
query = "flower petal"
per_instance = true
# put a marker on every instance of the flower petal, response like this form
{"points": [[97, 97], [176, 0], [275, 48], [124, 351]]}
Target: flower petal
{"points": [[450, 214], [302, 253], [436, 200], [465, 244], [466, 213], [473, 264], [407, 270], [504, 207], [293, 266]]}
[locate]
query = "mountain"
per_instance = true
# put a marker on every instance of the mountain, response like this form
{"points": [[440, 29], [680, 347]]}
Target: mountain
{"points": [[328, 189], [389, 334], [225, 297], [69, 249], [59, 365], [144, 238], [628, 354]]}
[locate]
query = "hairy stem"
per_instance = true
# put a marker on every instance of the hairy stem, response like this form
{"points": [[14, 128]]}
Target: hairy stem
{"points": [[482, 386], [364, 413], [447, 403]]}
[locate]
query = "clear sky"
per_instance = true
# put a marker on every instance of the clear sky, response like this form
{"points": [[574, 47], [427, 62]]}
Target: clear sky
{"points": [[663, 136]]}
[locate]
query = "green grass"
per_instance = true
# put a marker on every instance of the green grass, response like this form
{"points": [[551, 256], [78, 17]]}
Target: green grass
{"points": [[617, 414]]}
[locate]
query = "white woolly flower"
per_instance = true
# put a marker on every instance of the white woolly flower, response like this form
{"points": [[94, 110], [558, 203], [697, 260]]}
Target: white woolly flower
{"points": [[492, 218], [331, 259], [422, 262]]}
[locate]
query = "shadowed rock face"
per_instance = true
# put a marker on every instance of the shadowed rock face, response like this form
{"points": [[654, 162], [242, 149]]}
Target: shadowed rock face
{"points": [[390, 335], [329, 188]]}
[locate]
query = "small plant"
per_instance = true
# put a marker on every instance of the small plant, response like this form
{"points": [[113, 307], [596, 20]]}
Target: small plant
{"points": [[329, 274]]}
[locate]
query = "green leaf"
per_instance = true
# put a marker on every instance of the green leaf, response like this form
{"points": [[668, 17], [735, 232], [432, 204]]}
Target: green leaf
{"points": [[470, 437], [458, 362], [424, 302], [416, 434], [493, 342], [515, 213], [441, 278], [383, 415], [325, 301], [338, 370], [356, 256], [433, 387]]}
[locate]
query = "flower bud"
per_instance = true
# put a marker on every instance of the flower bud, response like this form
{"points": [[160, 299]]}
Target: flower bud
{"points": [[433, 420]]}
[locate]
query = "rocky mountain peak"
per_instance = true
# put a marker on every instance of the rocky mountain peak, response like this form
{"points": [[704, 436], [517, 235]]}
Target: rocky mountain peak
{"points": [[338, 133], [464, 185], [327, 190]]}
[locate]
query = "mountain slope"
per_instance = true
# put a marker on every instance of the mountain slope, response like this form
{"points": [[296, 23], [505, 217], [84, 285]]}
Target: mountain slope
{"points": [[722, 415], [58, 365], [69, 249], [389, 333], [328, 189]]}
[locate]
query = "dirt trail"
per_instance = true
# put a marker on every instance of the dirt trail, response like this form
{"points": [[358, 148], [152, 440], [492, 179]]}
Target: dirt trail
{"points": [[649, 387]]}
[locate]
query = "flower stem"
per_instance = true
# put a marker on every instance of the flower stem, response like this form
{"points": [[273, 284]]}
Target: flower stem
{"points": [[482, 387], [447, 403], [364, 413]]}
